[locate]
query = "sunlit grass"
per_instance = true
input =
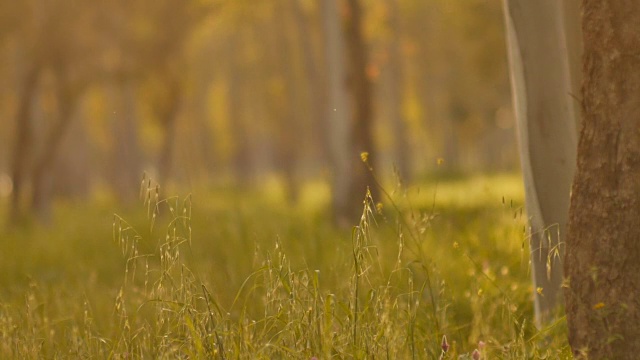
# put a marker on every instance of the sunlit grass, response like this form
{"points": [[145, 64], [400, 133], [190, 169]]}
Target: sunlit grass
{"points": [[223, 274]]}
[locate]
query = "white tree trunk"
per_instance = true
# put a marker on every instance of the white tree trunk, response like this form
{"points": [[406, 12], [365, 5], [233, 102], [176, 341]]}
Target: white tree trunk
{"points": [[544, 48], [338, 108]]}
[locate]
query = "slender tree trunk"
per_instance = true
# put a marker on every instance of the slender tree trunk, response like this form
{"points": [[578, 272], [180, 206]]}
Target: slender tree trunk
{"points": [[42, 178], [603, 248], [237, 109], [317, 87], [338, 115], [360, 87], [72, 170], [454, 115], [287, 104], [396, 91], [126, 157], [543, 83], [168, 119], [23, 143], [204, 142]]}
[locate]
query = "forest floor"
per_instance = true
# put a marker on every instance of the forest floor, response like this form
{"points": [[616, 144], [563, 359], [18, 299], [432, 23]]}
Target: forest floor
{"points": [[230, 274]]}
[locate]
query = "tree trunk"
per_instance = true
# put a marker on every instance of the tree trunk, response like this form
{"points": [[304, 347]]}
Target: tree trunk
{"points": [[338, 119], [286, 105], [126, 156], [168, 118], [42, 177], [543, 82], [396, 91], [603, 248], [317, 87], [361, 132], [237, 112], [72, 171], [23, 141]]}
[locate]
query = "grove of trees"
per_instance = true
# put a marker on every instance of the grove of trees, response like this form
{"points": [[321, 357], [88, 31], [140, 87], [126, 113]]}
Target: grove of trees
{"points": [[238, 92], [234, 92]]}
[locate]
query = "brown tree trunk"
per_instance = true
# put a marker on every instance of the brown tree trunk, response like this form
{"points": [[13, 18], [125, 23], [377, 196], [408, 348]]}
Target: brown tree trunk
{"points": [[241, 159], [168, 118], [395, 96], [42, 177], [316, 85], [235, 88], [23, 143], [360, 88], [286, 104], [126, 156], [603, 248]]}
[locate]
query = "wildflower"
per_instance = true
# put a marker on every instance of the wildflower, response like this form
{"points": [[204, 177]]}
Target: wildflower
{"points": [[440, 161], [456, 245], [445, 344], [539, 291], [598, 306], [364, 156], [481, 344], [379, 207], [475, 355]]}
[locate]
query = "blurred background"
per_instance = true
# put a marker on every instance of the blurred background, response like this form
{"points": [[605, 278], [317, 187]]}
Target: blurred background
{"points": [[238, 93]]}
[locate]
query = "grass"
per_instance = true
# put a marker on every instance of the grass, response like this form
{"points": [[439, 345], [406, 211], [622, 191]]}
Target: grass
{"points": [[230, 275]]}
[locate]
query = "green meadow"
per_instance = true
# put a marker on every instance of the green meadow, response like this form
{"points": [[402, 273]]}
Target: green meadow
{"points": [[220, 273]]}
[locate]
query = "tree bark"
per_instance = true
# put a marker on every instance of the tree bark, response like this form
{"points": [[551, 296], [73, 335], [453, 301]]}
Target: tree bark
{"points": [[543, 82], [603, 248]]}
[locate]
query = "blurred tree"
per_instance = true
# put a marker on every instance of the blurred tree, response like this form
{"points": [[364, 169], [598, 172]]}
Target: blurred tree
{"points": [[255, 88], [68, 94], [125, 160], [544, 80], [72, 169], [456, 81], [338, 121], [204, 76], [285, 98], [23, 139], [60, 43], [236, 85], [173, 24], [351, 122], [395, 94], [158, 33], [309, 44], [115, 100], [360, 89]]}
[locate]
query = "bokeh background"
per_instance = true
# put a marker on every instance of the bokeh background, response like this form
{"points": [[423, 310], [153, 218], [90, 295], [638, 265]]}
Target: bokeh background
{"points": [[199, 93], [159, 158]]}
